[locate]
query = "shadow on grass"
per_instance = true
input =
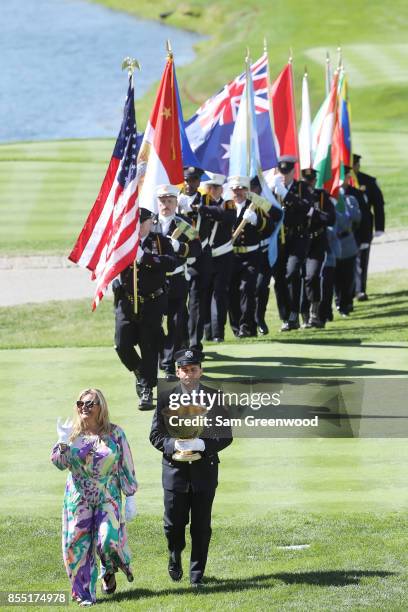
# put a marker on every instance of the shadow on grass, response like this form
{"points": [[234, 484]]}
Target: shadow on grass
{"points": [[217, 585], [268, 368]]}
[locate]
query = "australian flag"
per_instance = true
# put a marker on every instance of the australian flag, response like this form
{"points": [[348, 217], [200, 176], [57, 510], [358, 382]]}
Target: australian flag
{"points": [[209, 131]]}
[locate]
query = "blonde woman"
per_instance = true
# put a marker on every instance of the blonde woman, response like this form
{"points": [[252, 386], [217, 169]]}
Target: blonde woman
{"points": [[100, 463]]}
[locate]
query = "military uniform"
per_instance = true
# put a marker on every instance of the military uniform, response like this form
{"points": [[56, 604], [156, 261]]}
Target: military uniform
{"points": [[373, 196], [348, 217], [265, 271], [323, 216], [144, 327], [199, 268], [189, 488], [245, 270], [176, 335], [222, 214]]}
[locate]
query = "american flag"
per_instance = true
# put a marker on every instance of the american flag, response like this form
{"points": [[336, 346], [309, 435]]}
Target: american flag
{"points": [[109, 239], [210, 129]]}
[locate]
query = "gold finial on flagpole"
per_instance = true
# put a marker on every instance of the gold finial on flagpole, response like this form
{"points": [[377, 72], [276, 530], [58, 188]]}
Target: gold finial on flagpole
{"points": [[290, 55], [130, 64], [169, 49], [247, 57], [339, 58]]}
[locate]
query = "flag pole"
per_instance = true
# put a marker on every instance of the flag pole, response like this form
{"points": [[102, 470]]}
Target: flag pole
{"points": [[248, 135], [328, 71], [297, 165], [268, 82], [130, 64]]}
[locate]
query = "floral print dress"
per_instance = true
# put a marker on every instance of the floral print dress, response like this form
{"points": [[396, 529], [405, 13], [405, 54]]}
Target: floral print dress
{"points": [[101, 469]]}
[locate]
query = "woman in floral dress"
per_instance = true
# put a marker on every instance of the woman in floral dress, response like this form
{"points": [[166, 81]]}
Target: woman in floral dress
{"points": [[100, 465]]}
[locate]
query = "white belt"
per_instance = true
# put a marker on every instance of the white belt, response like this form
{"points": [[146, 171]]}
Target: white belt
{"points": [[204, 243], [222, 249], [245, 249], [176, 271], [264, 242]]}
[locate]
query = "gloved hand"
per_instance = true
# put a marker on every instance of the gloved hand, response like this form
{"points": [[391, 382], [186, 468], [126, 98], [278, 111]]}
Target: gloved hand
{"points": [[190, 445], [130, 508], [280, 186], [273, 180], [175, 244], [378, 233], [250, 216], [364, 246], [64, 430]]}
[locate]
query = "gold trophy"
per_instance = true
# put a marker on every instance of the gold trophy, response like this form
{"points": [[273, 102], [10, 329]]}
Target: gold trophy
{"points": [[190, 424]]}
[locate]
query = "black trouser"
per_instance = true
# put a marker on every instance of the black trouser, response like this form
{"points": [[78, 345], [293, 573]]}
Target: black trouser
{"points": [[325, 308], [262, 287], [177, 510], [296, 249], [242, 291], [176, 316], [143, 330], [361, 270], [217, 299], [344, 283], [200, 278], [280, 285]]}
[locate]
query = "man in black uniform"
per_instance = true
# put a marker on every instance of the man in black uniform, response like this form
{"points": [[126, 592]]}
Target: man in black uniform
{"points": [[192, 204], [222, 214], [297, 202], [264, 270], [323, 216], [246, 257], [189, 488], [141, 324], [371, 191], [186, 245]]}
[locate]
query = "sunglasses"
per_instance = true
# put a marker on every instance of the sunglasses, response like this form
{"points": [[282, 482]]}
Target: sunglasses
{"points": [[88, 404]]}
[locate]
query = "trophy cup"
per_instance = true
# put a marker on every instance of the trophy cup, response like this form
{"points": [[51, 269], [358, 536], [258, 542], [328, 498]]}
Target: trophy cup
{"points": [[190, 424]]}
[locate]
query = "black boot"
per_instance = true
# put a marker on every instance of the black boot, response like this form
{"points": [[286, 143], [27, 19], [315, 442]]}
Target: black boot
{"points": [[175, 569], [146, 399]]}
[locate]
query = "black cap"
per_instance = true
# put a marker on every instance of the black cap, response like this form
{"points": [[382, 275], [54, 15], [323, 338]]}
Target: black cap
{"points": [[255, 183], [356, 158], [347, 169], [145, 214], [309, 174], [188, 357], [192, 172], [286, 163]]}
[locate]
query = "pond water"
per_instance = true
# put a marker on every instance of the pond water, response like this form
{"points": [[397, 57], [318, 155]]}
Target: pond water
{"points": [[60, 66]]}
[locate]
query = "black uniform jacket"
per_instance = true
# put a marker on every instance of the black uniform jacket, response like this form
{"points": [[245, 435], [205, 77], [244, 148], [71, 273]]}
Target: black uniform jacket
{"points": [[189, 247], [364, 232], [200, 475], [158, 259], [251, 234], [222, 213], [369, 186], [297, 203]]}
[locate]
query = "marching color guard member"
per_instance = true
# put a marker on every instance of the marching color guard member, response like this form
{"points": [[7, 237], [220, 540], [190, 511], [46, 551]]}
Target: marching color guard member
{"points": [[139, 314], [189, 488], [187, 244]]}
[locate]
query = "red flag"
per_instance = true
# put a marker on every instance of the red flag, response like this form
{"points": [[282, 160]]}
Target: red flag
{"points": [[284, 114], [109, 239], [161, 146]]}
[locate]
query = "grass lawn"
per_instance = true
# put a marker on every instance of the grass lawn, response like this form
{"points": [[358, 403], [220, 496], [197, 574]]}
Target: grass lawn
{"points": [[345, 498], [384, 318]]}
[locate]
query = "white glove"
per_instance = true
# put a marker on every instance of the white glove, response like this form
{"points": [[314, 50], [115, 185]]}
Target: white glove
{"points": [[64, 430], [130, 508], [364, 246], [250, 216], [190, 445], [378, 233], [273, 180], [280, 186], [175, 244], [139, 254]]}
